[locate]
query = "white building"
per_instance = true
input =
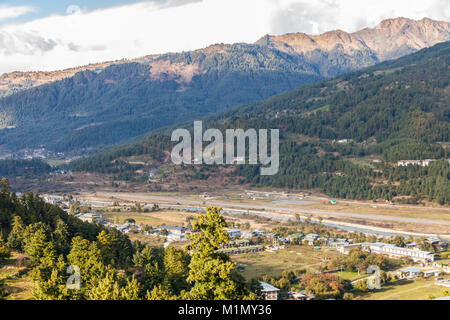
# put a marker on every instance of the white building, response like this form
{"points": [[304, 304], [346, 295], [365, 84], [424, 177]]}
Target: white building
{"points": [[269, 291], [431, 273], [423, 163], [234, 233], [388, 249], [409, 273], [176, 233], [310, 238], [258, 232], [90, 217], [444, 283], [394, 251]]}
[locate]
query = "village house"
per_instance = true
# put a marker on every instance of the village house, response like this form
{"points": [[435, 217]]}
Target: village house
{"points": [[345, 248], [297, 296], [310, 238], [129, 227], [51, 199], [433, 240], [269, 292], [443, 245], [234, 233], [408, 273], [246, 235], [323, 241], [258, 232], [237, 244], [90, 217], [283, 240], [431, 273], [338, 242], [444, 266], [176, 233], [241, 250], [295, 237]]}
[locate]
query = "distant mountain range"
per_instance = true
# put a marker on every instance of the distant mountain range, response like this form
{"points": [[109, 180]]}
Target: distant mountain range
{"points": [[391, 39], [91, 107]]}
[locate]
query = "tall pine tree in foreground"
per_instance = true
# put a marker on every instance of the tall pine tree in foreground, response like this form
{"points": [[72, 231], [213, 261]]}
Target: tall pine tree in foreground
{"points": [[211, 272]]}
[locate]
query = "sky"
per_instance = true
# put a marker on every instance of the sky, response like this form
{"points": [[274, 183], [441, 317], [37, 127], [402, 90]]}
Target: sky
{"points": [[43, 35]]}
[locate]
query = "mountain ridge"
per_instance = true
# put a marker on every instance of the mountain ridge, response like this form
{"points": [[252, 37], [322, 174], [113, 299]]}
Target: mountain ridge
{"points": [[391, 39], [440, 31], [112, 103]]}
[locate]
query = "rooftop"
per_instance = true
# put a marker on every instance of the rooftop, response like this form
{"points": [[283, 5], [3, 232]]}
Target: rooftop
{"points": [[410, 269], [268, 287]]}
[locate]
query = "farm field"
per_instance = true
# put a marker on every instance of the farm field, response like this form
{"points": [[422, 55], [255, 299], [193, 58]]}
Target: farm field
{"points": [[407, 290], [415, 212], [274, 263]]}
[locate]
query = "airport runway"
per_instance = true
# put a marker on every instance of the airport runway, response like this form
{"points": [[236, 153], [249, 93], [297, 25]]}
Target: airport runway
{"points": [[277, 206]]}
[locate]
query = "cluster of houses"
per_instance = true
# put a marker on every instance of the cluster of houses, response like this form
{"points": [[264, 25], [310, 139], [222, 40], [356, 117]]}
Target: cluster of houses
{"points": [[236, 246], [240, 246], [127, 227], [40, 153], [55, 200], [344, 246], [175, 233], [313, 239]]}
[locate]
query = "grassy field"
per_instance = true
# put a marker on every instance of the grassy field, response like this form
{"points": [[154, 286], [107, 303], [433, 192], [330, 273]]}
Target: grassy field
{"points": [[18, 287], [379, 209], [407, 290], [153, 219], [347, 275], [274, 263]]}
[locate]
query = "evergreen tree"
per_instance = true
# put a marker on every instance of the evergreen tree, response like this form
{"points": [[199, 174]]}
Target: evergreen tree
{"points": [[36, 239], [16, 236], [210, 271]]}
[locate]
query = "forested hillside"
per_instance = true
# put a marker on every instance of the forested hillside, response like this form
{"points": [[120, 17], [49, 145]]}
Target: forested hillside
{"points": [[56, 248], [123, 101], [24, 168], [397, 110], [110, 103]]}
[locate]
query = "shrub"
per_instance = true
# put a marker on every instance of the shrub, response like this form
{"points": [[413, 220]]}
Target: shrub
{"points": [[5, 253]]}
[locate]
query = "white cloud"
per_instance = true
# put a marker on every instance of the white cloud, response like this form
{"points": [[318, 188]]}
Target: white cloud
{"points": [[8, 12], [320, 16], [174, 25]]}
